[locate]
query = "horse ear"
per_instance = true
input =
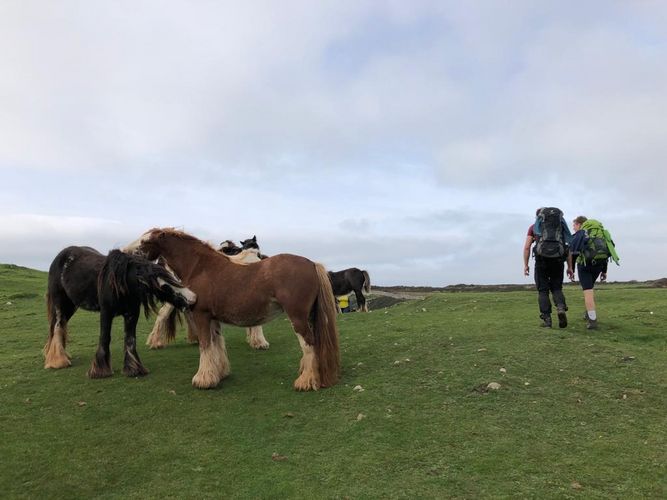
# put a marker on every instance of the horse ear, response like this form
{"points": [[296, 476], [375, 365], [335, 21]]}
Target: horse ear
{"points": [[254, 238]]}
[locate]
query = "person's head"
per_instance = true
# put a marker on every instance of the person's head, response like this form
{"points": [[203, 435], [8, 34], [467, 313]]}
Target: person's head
{"points": [[576, 223]]}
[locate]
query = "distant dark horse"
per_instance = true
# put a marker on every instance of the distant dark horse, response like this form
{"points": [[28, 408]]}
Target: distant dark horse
{"points": [[115, 285], [351, 280]]}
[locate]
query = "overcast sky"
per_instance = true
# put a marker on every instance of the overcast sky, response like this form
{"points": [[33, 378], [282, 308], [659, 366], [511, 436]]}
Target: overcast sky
{"points": [[414, 139]]}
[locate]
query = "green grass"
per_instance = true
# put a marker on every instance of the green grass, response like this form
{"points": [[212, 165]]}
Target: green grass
{"points": [[578, 414]]}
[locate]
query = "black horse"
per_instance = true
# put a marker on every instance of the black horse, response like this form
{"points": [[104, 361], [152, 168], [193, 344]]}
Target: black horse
{"points": [[228, 247], [115, 285], [351, 280]]}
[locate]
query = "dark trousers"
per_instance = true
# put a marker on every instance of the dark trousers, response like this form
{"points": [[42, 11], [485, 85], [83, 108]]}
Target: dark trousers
{"points": [[549, 278], [589, 273]]}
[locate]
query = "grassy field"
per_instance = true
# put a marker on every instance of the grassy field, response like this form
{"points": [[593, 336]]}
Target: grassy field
{"points": [[578, 413]]}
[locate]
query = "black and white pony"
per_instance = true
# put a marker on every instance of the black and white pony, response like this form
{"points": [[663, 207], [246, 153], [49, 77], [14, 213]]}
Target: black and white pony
{"points": [[115, 285], [164, 330], [248, 248], [351, 280]]}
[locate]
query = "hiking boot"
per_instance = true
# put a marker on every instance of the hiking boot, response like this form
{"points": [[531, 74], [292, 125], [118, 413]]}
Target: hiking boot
{"points": [[562, 318], [592, 324], [546, 321]]}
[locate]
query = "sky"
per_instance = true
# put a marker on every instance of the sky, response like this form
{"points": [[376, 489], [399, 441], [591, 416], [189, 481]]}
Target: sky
{"points": [[411, 139]]}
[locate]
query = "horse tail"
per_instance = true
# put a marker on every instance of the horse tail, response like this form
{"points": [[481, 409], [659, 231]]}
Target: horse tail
{"points": [[170, 324], [164, 329], [326, 330], [51, 314], [367, 282]]}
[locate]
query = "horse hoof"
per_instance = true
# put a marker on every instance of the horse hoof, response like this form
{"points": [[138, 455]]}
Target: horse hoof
{"points": [[57, 364], [260, 347], [136, 372], [56, 358], [205, 381], [306, 384], [97, 372]]}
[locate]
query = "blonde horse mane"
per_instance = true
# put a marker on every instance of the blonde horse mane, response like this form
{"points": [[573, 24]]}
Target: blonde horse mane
{"points": [[244, 258]]}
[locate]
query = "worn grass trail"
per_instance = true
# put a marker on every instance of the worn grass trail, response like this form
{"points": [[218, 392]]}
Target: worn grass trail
{"points": [[578, 412]]}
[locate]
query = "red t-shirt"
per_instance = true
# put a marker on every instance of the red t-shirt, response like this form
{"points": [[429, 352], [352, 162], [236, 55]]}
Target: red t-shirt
{"points": [[531, 231]]}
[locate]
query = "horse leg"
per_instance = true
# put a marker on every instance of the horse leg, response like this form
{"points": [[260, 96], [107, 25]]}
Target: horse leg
{"points": [[213, 361], [101, 365], [55, 355], [156, 339], [361, 301], [255, 337], [309, 372], [132, 366]]}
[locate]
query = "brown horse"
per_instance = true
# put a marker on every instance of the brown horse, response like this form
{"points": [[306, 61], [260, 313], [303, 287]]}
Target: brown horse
{"points": [[248, 296], [164, 329]]}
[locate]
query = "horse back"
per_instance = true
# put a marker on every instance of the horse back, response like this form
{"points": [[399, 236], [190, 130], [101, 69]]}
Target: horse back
{"points": [[286, 266], [347, 280], [251, 294], [74, 273]]}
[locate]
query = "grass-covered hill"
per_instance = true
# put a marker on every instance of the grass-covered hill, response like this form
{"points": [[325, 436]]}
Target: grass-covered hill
{"points": [[576, 413]]}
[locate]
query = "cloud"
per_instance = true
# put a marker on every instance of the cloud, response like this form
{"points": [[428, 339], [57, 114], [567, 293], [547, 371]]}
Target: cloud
{"points": [[34, 240], [415, 139], [583, 104]]}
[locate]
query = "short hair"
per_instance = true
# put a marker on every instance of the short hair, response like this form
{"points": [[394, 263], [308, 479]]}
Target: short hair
{"points": [[537, 212], [580, 219]]}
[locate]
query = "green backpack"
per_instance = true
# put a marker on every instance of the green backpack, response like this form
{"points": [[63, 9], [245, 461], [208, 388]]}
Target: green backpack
{"points": [[598, 245]]}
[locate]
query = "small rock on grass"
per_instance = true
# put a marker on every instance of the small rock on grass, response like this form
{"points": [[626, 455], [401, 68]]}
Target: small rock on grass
{"points": [[484, 388]]}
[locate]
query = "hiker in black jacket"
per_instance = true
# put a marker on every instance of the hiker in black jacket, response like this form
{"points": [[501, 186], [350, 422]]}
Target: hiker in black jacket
{"points": [[551, 237]]}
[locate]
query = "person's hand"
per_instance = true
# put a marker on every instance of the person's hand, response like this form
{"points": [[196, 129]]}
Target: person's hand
{"points": [[570, 274], [526, 270], [603, 277]]}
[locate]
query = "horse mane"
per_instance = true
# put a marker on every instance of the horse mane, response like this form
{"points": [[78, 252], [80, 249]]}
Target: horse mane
{"points": [[147, 276], [228, 247], [240, 258], [172, 231], [114, 273], [238, 254]]}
